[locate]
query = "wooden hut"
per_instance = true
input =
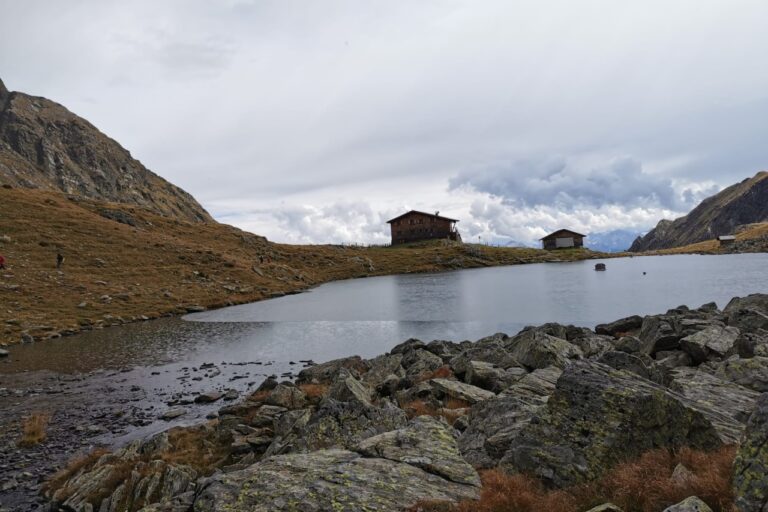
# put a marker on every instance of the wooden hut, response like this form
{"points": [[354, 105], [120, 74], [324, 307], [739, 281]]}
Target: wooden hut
{"points": [[726, 240], [414, 226], [563, 239]]}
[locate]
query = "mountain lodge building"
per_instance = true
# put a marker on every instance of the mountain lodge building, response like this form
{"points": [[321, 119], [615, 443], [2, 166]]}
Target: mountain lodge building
{"points": [[415, 226], [563, 239]]}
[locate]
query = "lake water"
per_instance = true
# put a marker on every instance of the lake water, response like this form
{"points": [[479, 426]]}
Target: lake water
{"points": [[369, 316]]}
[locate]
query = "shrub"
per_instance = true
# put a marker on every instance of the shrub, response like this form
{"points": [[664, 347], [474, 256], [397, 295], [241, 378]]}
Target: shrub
{"points": [[33, 429]]}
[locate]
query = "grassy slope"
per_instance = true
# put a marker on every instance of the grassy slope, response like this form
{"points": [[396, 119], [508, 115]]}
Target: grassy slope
{"points": [[163, 266], [756, 231]]}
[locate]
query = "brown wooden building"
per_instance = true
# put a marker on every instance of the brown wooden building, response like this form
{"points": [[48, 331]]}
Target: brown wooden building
{"points": [[414, 226], [563, 239]]}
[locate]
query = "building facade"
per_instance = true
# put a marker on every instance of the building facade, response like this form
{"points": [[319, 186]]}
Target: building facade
{"points": [[563, 239], [415, 226]]}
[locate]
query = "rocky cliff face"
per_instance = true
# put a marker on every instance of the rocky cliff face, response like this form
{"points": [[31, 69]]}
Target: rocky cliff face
{"points": [[45, 146], [721, 214]]}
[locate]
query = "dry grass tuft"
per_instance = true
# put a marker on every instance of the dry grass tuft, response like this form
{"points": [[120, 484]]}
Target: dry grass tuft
{"points": [[259, 396], [197, 448], [33, 429], [642, 485], [314, 391], [73, 468], [444, 372], [452, 409]]}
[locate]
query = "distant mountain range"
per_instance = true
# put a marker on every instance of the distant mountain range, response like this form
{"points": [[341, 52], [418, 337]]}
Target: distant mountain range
{"points": [[45, 146], [738, 205], [617, 240]]}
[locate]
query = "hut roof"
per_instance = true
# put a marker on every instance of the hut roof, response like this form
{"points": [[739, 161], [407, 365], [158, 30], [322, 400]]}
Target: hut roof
{"points": [[422, 213], [561, 232], [726, 238]]}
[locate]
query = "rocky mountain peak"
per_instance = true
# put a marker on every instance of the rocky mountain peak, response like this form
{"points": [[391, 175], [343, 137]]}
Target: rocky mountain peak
{"points": [[45, 146]]}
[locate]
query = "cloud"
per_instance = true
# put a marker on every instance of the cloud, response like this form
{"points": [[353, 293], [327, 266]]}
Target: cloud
{"points": [[569, 186]]}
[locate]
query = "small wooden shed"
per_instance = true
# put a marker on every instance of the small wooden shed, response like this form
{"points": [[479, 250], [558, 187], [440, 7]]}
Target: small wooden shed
{"points": [[414, 226], [563, 239], [726, 240]]}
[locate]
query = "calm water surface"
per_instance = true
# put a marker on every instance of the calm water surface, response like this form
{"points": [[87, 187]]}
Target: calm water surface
{"points": [[369, 316]]}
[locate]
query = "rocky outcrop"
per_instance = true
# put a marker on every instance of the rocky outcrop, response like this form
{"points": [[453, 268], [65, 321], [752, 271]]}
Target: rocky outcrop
{"points": [[692, 504], [750, 484], [43, 145], [739, 204], [390, 471], [599, 416]]}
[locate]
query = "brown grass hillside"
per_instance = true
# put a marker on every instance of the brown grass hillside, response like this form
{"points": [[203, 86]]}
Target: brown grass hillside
{"points": [[752, 239], [123, 263]]}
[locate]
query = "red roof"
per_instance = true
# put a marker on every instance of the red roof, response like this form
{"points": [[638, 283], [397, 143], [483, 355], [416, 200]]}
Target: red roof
{"points": [[422, 213]]}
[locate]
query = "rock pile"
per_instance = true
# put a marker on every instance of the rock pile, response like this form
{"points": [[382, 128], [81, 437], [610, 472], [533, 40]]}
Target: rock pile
{"points": [[561, 403]]}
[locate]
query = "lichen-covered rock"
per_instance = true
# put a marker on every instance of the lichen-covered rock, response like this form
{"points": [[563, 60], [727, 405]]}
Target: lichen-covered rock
{"points": [[671, 359], [750, 485], [535, 350], [418, 362], [751, 373], [751, 344], [606, 507], [634, 345], [326, 373], [639, 364], [599, 416], [426, 443], [659, 333], [381, 368], [287, 395], [493, 424], [461, 391], [326, 480], [712, 342], [443, 349], [593, 345], [337, 425], [621, 326], [488, 352], [491, 377], [692, 504], [346, 388], [725, 404]]}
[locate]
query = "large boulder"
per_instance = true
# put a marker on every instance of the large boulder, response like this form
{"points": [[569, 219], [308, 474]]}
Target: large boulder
{"points": [[326, 373], [330, 480], [750, 485], [336, 425], [659, 333], [725, 404], [494, 423], [492, 352], [712, 342], [460, 391], [748, 313], [346, 388], [751, 373], [535, 349], [599, 416], [286, 395], [425, 443], [620, 327], [381, 368], [639, 364], [692, 504], [420, 362], [491, 377]]}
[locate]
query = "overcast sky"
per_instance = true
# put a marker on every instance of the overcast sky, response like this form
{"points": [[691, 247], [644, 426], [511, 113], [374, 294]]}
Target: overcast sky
{"points": [[316, 121]]}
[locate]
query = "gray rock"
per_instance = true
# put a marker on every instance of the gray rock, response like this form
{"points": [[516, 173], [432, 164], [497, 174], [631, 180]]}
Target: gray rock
{"points": [[4, 353], [599, 416], [173, 413], [445, 350], [419, 362], [725, 404], [347, 389], [748, 313], [426, 443], [593, 345], [634, 345], [751, 373], [536, 350], [494, 423], [659, 333], [326, 373], [461, 391], [210, 396], [381, 368], [605, 507], [751, 344], [620, 327], [692, 504], [712, 342], [326, 480], [407, 346], [668, 360], [491, 351], [491, 377], [639, 364], [750, 485], [288, 396]]}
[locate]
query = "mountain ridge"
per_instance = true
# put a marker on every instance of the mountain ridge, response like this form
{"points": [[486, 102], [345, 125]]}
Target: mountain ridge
{"points": [[743, 203], [45, 146]]}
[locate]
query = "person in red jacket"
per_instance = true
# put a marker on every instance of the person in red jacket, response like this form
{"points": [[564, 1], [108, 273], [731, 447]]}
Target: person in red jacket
{"points": [[2, 262]]}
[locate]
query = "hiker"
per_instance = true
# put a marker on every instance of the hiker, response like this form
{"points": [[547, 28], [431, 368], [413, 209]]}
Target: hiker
{"points": [[59, 260], [2, 262]]}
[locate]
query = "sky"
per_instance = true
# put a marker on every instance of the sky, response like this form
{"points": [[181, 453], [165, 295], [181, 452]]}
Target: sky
{"points": [[317, 121]]}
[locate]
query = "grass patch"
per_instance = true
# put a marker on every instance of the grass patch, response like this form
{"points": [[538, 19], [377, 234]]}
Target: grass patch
{"points": [[33, 429], [642, 485]]}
